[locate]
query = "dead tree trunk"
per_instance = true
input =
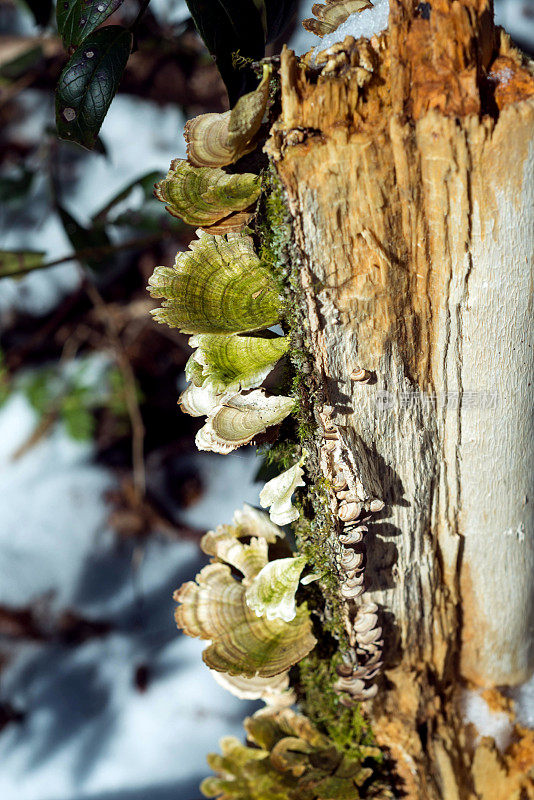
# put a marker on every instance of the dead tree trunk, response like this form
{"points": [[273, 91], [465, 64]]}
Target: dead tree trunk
{"points": [[408, 164]]}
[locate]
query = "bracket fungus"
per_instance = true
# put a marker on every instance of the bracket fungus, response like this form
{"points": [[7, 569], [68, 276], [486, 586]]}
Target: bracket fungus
{"points": [[241, 643], [249, 558], [277, 494], [333, 14], [248, 521], [215, 607], [218, 285], [241, 419], [230, 363], [216, 140], [287, 759], [272, 593], [204, 196], [200, 401], [275, 691]]}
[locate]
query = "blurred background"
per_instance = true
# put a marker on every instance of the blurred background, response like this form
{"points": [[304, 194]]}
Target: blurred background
{"points": [[103, 496]]}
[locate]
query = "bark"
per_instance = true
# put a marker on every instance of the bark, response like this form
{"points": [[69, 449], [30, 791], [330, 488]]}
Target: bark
{"points": [[408, 165]]}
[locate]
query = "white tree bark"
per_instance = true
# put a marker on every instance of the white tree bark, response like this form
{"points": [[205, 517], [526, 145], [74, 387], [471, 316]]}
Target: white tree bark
{"points": [[417, 244]]}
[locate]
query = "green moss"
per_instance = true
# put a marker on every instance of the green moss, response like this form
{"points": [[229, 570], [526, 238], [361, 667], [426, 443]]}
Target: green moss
{"points": [[316, 527], [277, 457], [273, 227], [316, 522], [313, 532], [346, 727]]}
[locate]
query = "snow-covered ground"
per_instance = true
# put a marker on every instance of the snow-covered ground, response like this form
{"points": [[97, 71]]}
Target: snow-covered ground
{"points": [[89, 732]]}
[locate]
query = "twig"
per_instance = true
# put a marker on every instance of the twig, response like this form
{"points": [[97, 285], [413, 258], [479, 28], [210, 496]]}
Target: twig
{"points": [[134, 412], [92, 252], [7, 93], [137, 20], [38, 433]]}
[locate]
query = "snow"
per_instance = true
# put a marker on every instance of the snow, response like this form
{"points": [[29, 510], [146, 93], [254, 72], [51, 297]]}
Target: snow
{"points": [[228, 482], [158, 139], [89, 733], [365, 23], [302, 40], [517, 17], [170, 12], [487, 722], [523, 697]]}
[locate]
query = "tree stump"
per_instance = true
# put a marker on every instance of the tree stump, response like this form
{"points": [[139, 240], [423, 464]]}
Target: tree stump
{"points": [[408, 165]]}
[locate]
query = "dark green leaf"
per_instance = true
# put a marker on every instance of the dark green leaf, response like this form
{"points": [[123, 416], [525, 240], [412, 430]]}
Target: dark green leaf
{"points": [[78, 419], [85, 238], [76, 19], [16, 262], [237, 30], [88, 83], [14, 188], [41, 11], [146, 182], [231, 28], [40, 390]]}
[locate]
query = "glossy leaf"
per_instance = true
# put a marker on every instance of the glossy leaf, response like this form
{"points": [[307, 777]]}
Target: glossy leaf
{"points": [[89, 82], [236, 32], [145, 182], [76, 19], [84, 238], [231, 27]]}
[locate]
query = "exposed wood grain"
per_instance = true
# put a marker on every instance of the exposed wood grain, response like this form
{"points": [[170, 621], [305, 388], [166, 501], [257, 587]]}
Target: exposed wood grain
{"points": [[415, 221]]}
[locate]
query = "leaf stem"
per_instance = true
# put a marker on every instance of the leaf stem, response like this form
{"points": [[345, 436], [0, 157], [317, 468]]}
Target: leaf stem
{"points": [[137, 20], [92, 252]]}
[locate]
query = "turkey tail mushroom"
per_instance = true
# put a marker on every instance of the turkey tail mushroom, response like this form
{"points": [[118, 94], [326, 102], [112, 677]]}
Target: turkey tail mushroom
{"points": [[218, 285], [203, 196]]}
